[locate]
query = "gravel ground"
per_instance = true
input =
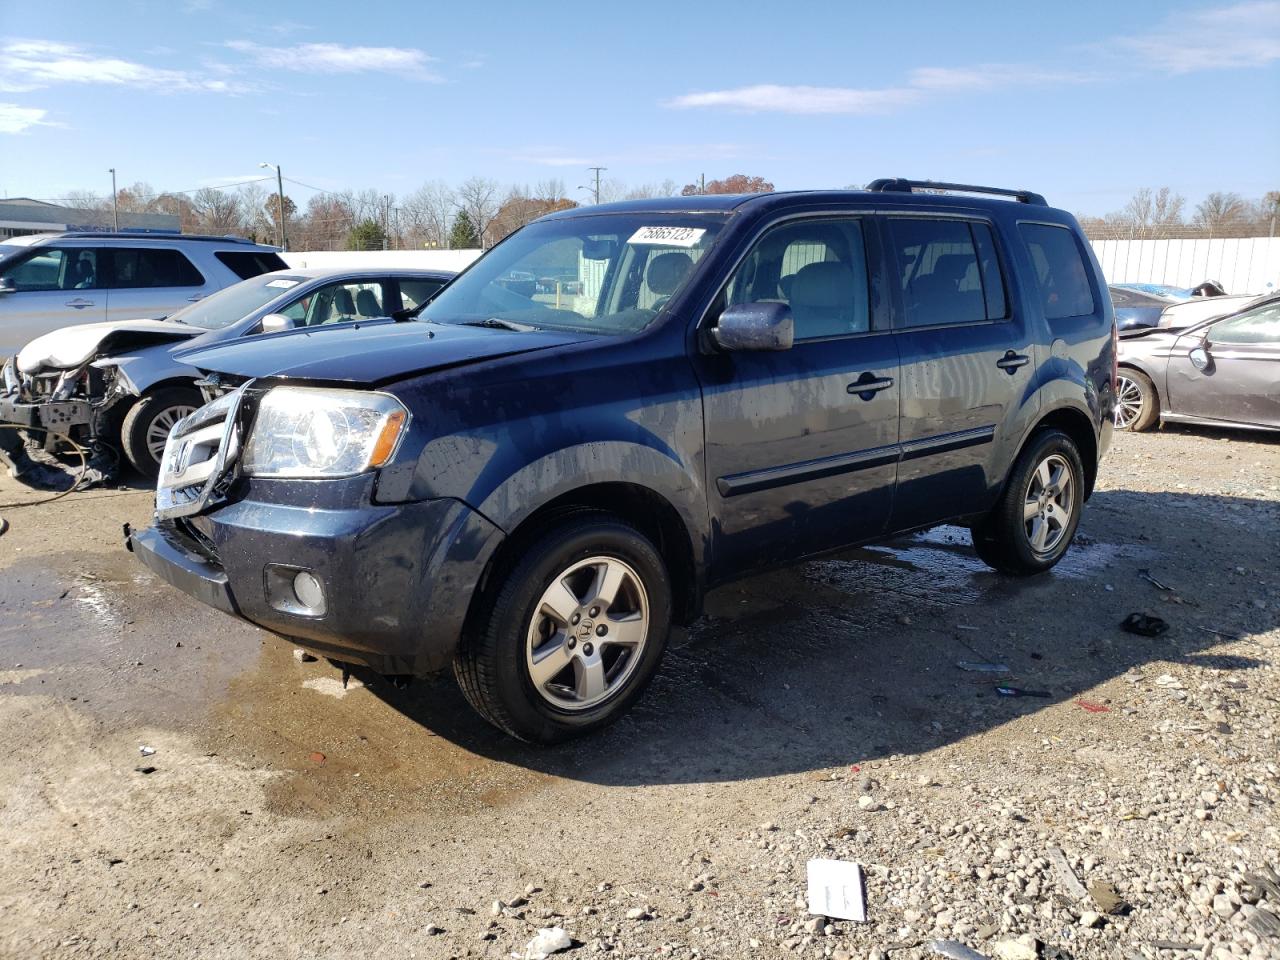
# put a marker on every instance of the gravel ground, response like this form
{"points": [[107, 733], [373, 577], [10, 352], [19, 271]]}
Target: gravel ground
{"points": [[814, 712]]}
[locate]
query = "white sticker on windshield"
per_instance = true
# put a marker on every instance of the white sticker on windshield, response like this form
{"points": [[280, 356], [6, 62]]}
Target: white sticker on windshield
{"points": [[283, 284], [668, 236]]}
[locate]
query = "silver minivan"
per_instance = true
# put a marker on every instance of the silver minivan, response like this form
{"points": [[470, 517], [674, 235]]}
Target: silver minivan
{"points": [[49, 281]]}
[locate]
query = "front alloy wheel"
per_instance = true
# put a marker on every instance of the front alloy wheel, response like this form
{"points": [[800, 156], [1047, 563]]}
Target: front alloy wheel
{"points": [[588, 633], [1128, 402], [1048, 505], [569, 630]]}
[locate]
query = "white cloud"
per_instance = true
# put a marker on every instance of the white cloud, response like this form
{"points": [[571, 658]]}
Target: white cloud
{"points": [[33, 64], [1241, 35], [16, 119], [336, 58], [775, 98]]}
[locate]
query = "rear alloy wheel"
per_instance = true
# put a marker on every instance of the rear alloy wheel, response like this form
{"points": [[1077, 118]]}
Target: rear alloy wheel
{"points": [[570, 630], [1137, 406], [1031, 526], [147, 424]]}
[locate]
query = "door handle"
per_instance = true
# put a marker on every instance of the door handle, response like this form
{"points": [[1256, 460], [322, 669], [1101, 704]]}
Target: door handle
{"points": [[868, 385], [1012, 361], [79, 303], [197, 297]]}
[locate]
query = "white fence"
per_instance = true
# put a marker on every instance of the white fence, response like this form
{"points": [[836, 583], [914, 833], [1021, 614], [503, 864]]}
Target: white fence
{"points": [[419, 259], [1250, 265]]}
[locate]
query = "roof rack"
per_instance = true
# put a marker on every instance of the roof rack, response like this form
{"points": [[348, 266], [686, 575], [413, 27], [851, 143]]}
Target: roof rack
{"points": [[147, 235], [899, 185]]}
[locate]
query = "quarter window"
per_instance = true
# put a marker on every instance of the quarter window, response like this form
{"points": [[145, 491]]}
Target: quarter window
{"points": [[818, 268], [248, 264], [1060, 271], [948, 272], [135, 269]]}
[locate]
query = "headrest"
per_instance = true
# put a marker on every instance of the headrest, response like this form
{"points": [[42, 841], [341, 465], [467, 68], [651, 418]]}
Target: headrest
{"points": [[828, 283], [666, 272]]}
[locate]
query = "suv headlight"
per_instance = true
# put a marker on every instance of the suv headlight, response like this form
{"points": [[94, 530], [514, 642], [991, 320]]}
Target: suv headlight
{"points": [[315, 432]]}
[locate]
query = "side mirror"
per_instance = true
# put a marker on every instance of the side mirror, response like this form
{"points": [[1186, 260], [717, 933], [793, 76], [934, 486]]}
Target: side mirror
{"points": [[755, 326], [276, 322], [1200, 358], [7, 286]]}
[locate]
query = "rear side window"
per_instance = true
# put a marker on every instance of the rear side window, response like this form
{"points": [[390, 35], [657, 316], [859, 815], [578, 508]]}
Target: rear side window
{"points": [[1061, 275], [135, 269], [948, 272], [250, 263]]}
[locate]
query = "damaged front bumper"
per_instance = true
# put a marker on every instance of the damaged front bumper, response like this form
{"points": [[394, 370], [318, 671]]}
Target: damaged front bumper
{"points": [[395, 581]]}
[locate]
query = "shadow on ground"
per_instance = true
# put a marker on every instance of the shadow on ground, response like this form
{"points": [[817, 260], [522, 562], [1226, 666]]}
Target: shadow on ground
{"points": [[854, 658]]}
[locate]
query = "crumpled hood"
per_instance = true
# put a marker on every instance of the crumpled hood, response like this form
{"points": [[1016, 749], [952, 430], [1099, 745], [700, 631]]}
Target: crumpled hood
{"points": [[69, 347], [368, 354]]}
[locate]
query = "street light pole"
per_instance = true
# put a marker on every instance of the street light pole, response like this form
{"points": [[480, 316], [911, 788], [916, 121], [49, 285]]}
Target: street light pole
{"points": [[280, 234], [115, 210]]}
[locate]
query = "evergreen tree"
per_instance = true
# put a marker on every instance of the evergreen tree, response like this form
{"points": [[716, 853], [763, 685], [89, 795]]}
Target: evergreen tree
{"points": [[463, 236]]}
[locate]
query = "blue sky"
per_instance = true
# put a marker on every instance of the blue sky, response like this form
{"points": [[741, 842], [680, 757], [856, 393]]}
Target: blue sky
{"points": [[1084, 102]]}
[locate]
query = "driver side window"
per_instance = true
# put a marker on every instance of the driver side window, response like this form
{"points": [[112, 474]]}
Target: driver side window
{"points": [[816, 267], [1256, 326]]}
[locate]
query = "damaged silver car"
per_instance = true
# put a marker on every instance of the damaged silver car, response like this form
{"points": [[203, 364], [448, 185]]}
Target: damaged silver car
{"points": [[115, 389]]}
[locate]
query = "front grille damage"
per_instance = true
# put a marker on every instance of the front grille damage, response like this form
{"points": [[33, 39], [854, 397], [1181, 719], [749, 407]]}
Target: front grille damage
{"points": [[202, 456]]}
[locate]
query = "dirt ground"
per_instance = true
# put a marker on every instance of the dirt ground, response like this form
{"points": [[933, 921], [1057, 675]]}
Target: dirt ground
{"points": [[816, 712]]}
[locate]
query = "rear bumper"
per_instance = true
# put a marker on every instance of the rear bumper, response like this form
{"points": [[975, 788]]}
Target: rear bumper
{"points": [[397, 579]]}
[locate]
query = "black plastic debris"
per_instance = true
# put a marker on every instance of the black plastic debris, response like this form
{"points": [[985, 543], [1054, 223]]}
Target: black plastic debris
{"points": [[1144, 625]]}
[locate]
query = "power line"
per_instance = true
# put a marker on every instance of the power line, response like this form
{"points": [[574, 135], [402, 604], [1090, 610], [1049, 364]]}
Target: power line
{"points": [[152, 196]]}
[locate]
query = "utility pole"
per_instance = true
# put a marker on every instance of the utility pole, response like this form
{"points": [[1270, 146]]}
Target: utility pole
{"points": [[115, 209], [280, 234], [702, 180], [597, 171]]}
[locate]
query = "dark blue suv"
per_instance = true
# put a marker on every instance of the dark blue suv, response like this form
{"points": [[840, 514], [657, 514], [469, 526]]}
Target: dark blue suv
{"points": [[534, 480]]}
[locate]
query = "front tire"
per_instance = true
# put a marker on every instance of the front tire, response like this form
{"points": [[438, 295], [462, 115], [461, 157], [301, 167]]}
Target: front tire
{"points": [[1137, 403], [147, 424], [565, 639], [1031, 526]]}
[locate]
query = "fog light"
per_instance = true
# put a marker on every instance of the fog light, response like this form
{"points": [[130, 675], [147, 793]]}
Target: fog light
{"points": [[309, 592]]}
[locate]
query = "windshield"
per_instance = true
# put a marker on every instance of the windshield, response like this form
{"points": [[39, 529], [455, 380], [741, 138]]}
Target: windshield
{"points": [[236, 302], [606, 274]]}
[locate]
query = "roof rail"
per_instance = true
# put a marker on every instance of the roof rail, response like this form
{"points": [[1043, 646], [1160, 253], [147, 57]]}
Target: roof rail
{"points": [[148, 235], [899, 185]]}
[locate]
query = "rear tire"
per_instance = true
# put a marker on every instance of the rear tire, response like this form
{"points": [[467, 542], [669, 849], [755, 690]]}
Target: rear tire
{"points": [[567, 636], [148, 422], [1137, 403], [1031, 526]]}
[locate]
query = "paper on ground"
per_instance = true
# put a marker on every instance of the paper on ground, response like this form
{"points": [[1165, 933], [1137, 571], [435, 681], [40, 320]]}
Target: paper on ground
{"points": [[835, 890]]}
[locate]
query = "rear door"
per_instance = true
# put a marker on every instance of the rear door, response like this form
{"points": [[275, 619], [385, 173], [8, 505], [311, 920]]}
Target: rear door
{"points": [[799, 460], [54, 287], [966, 348], [146, 283], [1241, 380]]}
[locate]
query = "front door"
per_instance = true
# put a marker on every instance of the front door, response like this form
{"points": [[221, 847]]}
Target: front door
{"points": [[799, 460], [54, 287], [1237, 377]]}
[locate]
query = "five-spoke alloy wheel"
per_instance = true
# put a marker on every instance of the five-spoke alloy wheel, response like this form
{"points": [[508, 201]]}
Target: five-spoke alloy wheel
{"points": [[569, 630], [1031, 525]]}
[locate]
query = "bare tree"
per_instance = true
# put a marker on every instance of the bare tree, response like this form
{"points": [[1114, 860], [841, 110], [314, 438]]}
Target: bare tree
{"points": [[551, 190], [84, 200], [325, 224], [478, 196], [427, 215], [644, 191], [1218, 210], [257, 211], [216, 211]]}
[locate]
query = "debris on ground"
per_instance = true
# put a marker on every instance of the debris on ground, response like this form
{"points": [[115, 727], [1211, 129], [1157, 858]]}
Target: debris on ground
{"points": [[302, 656], [1025, 947], [1066, 876], [955, 950], [1144, 625], [1092, 706], [1107, 899], [836, 890], [147, 751], [548, 940], [972, 666], [1018, 692]]}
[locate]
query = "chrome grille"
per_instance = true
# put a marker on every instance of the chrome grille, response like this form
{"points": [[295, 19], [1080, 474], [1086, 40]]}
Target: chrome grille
{"points": [[199, 458]]}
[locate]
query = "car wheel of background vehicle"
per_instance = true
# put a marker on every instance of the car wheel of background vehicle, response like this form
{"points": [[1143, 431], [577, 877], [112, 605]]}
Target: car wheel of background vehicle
{"points": [[147, 424], [1137, 405], [1031, 526], [566, 637]]}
